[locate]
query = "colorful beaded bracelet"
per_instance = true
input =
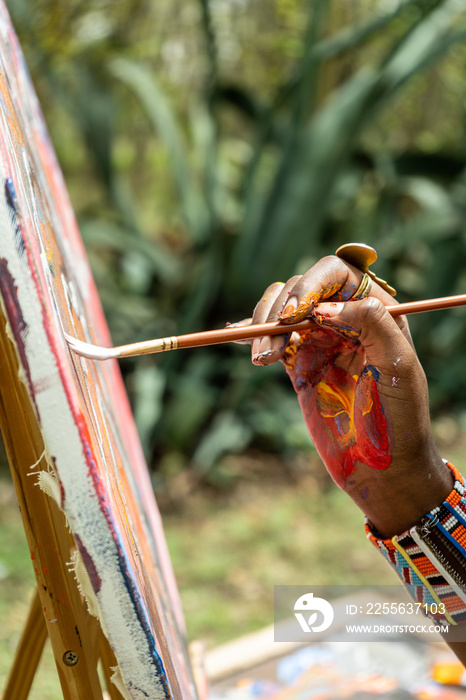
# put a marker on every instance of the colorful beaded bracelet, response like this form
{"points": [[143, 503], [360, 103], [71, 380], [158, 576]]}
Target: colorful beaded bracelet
{"points": [[430, 558]]}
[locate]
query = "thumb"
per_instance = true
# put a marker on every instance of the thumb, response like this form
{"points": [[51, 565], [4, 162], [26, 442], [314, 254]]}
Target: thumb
{"points": [[368, 322]]}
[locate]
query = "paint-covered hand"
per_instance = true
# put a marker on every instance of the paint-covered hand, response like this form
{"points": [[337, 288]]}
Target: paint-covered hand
{"points": [[362, 391]]}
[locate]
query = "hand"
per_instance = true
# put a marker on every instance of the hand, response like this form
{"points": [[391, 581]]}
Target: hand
{"points": [[362, 391]]}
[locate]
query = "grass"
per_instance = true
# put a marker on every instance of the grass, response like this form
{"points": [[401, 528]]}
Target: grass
{"points": [[228, 550], [276, 525], [16, 589], [228, 553]]}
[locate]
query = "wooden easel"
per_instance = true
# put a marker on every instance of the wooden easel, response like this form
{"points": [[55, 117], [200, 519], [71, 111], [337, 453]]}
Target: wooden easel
{"points": [[57, 609]]}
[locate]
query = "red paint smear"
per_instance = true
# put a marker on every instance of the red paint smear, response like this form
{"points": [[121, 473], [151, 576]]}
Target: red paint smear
{"points": [[96, 581], [374, 439], [344, 414], [18, 325]]}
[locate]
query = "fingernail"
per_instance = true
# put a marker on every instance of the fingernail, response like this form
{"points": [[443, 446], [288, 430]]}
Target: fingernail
{"points": [[289, 307], [329, 309], [261, 349], [296, 311], [243, 322], [255, 347], [264, 348], [269, 347], [265, 345], [260, 358], [288, 310]]}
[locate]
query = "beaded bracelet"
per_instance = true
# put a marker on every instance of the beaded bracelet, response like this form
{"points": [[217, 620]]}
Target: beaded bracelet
{"points": [[430, 558]]}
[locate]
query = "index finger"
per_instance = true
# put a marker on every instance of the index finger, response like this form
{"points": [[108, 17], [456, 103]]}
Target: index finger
{"points": [[331, 277]]}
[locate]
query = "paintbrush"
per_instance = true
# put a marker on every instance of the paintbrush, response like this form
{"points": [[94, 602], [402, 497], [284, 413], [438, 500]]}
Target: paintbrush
{"points": [[227, 335]]}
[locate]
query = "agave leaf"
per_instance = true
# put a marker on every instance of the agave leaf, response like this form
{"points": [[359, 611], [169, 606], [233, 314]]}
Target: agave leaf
{"points": [[309, 76], [143, 83], [428, 226], [148, 384], [351, 37], [303, 103], [211, 45], [428, 41], [292, 217], [106, 234], [296, 206], [227, 434], [204, 285], [345, 40], [192, 401], [204, 138], [96, 118], [427, 193]]}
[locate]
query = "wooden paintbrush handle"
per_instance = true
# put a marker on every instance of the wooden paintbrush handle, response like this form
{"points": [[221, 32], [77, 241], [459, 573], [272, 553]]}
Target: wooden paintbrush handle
{"points": [[227, 335], [416, 307], [222, 335]]}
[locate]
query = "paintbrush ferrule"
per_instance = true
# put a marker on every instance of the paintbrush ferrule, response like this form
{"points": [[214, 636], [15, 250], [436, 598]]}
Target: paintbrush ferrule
{"points": [[149, 347]]}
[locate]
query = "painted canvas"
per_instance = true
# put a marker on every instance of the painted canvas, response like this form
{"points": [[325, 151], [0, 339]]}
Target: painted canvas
{"points": [[92, 464]]}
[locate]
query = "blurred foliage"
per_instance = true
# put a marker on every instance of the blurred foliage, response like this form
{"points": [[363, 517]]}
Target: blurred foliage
{"points": [[213, 146]]}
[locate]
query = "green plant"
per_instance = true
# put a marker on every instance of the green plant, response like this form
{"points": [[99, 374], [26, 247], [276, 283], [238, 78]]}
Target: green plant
{"points": [[252, 186]]}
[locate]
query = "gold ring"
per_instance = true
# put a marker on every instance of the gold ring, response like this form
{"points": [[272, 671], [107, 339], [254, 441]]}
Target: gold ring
{"points": [[364, 288]]}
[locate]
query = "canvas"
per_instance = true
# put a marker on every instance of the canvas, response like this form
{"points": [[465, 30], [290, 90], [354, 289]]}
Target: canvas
{"points": [[92, 464]]}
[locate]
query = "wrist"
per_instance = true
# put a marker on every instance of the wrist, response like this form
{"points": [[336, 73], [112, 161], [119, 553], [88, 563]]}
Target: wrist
{"points": [[429, 558], [397, 498]]}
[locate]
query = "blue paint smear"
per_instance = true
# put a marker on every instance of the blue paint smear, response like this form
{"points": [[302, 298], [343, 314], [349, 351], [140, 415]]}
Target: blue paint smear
{"points": [[346, 294], [126, 571], [370, 368], [13, 207]]}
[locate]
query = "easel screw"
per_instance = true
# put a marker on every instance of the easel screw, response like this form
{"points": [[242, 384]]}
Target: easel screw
{"points": [[70, 658]]}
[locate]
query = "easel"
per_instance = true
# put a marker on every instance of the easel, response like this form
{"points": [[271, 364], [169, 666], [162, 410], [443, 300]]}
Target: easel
{"points": [[68, 430], [57, 609]]}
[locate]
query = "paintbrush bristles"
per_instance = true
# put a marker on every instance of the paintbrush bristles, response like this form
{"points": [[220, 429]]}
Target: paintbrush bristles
{"points": [[95, 352], [92, 352]]}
